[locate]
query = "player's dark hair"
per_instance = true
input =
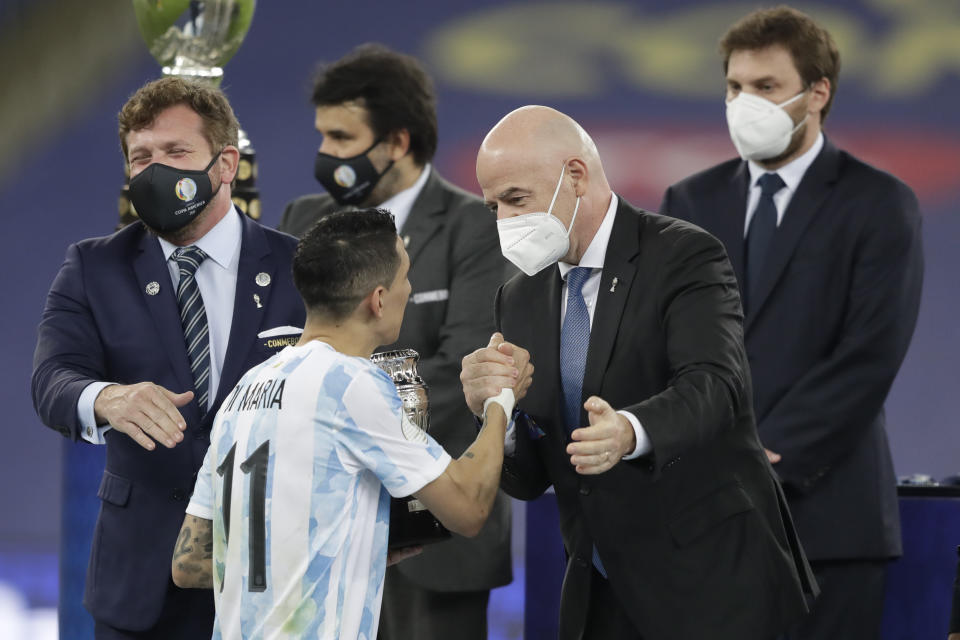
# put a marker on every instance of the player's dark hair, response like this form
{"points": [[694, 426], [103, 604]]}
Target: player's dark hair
{"points": [[343, 258]]}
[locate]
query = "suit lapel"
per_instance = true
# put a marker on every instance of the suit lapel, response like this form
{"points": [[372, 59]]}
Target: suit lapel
{"points": [[255, 258], [617, 264], [151, 268], [732, 205], [803, 207], [425, 219], [542, 302]]}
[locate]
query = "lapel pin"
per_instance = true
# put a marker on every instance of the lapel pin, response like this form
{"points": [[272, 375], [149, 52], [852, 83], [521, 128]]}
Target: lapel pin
{"points": [[263, 279], [152, 288], [613, 284], [406, 241], [256, 298]]}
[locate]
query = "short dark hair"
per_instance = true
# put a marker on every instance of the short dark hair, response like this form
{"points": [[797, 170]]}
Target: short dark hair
{"points": [[344, 257], [393, 87], [220, 127], [813, 50]]}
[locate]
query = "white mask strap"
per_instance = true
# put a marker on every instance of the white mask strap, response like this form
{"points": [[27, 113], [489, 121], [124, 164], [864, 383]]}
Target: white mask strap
{"points": [[574, 218], [793, 99], [556, 191]]}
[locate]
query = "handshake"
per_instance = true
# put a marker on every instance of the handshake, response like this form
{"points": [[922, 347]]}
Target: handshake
{"points": [[501, 365]]}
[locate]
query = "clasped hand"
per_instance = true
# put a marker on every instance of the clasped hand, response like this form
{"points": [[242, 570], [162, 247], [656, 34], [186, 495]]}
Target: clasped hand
{"points": [[487, 371]]}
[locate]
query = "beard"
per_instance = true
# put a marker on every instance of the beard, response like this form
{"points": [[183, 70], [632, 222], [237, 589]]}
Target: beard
{"points": [[796, 140]]}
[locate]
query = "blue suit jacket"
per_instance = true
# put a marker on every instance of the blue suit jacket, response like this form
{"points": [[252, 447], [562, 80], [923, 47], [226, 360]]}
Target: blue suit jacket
{"points": [[100, 324], [834, 313]]}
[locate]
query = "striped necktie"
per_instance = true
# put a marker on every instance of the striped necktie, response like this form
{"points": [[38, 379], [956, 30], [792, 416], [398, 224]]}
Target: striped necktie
{"points": [[193, 317]]}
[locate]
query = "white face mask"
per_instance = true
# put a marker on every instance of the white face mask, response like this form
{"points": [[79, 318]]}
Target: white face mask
{"points": [[534, 241], [760, 129]]}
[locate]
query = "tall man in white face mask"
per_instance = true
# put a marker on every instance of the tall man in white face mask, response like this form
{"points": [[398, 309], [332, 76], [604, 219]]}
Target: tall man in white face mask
{"points": [[639, 413], [827, 251]]}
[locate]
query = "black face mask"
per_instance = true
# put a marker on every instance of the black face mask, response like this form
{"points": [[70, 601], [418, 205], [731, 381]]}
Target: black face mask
{"points": [[348, 180], [168, 199]]}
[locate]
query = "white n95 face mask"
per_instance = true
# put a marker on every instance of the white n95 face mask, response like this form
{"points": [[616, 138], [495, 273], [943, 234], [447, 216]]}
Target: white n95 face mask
{"points": [[760, 129], [534, 241]]}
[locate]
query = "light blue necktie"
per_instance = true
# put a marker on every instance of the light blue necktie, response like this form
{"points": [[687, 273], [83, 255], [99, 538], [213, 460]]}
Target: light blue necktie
{"points": [[193, 317], [574, 340]]}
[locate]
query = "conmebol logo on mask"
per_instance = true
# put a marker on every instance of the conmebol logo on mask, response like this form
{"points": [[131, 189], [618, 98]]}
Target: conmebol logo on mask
{"points": [[186, 189], [345, 176]]}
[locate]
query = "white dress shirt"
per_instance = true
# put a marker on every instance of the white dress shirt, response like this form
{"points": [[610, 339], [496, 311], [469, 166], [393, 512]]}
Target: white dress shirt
{"points": [[593, 258], [217, 279], [791, 174], [400, 204]]}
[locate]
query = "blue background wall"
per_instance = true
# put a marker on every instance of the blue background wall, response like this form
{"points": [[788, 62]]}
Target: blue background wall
{"points": [[643, 77]]}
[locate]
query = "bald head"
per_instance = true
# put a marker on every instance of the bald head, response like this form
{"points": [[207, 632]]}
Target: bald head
{"points": [[521, 160], [535, 135]]}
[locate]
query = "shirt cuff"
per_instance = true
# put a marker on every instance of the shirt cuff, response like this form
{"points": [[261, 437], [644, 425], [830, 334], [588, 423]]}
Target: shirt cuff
{"points": [[89, 430], [643, 441]]}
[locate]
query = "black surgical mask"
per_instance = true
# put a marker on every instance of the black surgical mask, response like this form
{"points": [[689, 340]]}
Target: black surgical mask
{"points": [[168, 199], [348, 180]]}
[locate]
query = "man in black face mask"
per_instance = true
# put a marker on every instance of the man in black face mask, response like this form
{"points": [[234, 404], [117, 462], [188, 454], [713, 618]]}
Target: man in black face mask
{"points": [[143, 335], [375, 110]]}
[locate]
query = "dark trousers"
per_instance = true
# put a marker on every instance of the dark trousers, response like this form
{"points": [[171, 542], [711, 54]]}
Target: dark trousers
{"points": [[187, 615], [410, 611], [606, 617], [850, 605]]}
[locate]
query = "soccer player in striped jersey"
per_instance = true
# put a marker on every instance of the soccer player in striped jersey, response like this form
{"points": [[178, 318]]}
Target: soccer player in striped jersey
{"points": [[289, 519]]}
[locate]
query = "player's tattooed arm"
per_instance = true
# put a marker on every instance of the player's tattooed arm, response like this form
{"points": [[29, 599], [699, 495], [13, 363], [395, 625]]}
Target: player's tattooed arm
{"points": [[192, 564]]}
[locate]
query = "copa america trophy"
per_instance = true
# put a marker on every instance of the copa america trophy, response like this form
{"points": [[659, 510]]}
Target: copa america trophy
{"points": [[194, 39], [410, 521]]}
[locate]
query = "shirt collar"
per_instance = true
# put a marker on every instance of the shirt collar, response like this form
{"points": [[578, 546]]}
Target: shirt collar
{"points": [[792, 172], [400, 204], [597, 249], [221, 243]]}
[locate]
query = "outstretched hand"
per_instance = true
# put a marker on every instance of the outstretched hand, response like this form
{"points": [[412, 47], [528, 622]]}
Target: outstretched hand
{"points": [[599, 447], [145, 411]]}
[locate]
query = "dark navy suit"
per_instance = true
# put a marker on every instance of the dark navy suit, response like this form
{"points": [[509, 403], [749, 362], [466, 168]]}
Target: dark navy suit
{"points": [[100, 324], [834, 312]]}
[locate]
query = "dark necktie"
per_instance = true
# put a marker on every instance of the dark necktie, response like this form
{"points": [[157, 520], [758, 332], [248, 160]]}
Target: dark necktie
{"points": [[193, 317], [760, 233], [574, 340]]}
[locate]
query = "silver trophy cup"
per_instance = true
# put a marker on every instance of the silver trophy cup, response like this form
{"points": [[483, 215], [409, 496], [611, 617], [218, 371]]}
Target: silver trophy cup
{"points": [[410, 521]]}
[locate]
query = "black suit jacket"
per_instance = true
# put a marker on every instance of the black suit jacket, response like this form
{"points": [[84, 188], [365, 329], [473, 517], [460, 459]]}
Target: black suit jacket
{"points": [[99, 323], [455, 269], [695, 537], [834, 314]]}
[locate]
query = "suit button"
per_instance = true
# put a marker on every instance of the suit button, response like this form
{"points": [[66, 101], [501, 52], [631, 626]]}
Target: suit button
{"points": [[201, 435], [582, 562], [179, 495], [584, 490]]}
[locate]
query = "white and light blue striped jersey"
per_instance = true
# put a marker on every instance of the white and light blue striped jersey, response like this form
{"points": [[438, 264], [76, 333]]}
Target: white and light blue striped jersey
{"points": [[304, 455]]}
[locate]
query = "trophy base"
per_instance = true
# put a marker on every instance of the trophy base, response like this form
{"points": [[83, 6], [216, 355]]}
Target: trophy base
{"points": [[412, 524]]}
